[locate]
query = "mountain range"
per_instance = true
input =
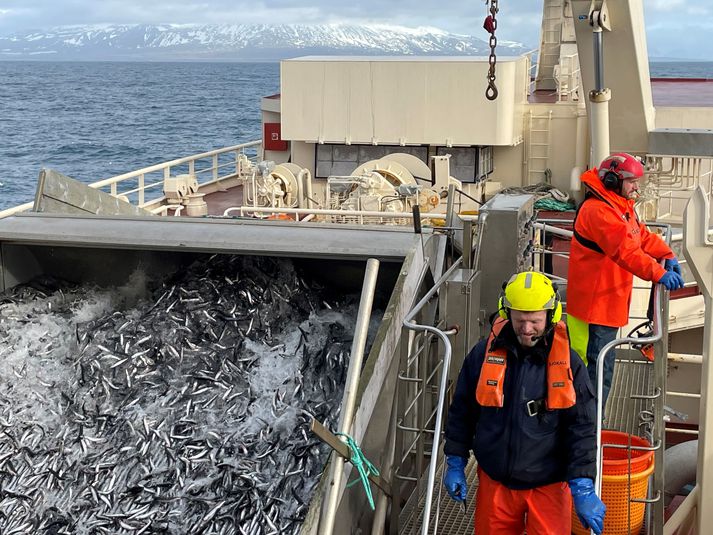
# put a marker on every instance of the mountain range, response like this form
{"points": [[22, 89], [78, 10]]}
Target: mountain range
{"points": [[241, 42]]}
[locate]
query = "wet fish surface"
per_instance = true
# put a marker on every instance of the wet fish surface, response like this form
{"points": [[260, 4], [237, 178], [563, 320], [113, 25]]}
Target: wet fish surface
{"points": [[185, 411]]}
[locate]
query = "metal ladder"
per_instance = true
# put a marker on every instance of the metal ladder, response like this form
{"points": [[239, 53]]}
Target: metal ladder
{"points": [[423, 393], [538, 146], [422, 387]]}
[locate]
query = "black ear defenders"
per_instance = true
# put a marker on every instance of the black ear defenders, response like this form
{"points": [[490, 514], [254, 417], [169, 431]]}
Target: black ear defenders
{"points": [[611, 179]]}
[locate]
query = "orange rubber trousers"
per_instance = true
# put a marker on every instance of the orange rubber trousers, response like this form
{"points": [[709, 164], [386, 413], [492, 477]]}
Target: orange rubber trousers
{"points": [[541, 511]]}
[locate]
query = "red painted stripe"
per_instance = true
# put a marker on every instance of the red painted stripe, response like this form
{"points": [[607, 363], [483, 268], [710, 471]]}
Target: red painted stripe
{"points": [[690, 291]]}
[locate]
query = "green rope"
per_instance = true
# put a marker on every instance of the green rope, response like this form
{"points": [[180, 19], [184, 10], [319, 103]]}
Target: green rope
{"points": [[549, 203], [363, 466]]}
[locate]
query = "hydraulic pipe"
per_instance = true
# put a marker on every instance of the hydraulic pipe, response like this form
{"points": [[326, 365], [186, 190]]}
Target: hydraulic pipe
{"points": [[300, 189], [361, 330], [599, 101], [598, 59], [319, 211], [599, 97]]}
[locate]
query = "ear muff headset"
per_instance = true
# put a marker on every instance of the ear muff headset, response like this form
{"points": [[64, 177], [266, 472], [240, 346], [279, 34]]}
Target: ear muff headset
{"points": [[618, 167], [557, 311], [611, 179], [553, 303], [502, 311]]}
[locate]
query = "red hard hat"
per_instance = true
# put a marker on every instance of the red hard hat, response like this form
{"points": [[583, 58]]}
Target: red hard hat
{"points": [[621, 164]]}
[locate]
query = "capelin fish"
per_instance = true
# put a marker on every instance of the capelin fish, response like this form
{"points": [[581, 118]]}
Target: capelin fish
{"points": [[190, 409]]}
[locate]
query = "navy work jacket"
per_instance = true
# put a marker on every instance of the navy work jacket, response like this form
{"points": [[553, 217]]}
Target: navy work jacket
{"points": [[516, 449]]}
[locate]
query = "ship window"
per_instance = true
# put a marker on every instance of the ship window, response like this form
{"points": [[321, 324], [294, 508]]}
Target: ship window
{"points": [[466, 162], [342, 160], [485, 163]]}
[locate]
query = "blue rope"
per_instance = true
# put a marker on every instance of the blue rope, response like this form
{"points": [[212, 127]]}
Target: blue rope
{"points": [[363, 466]]}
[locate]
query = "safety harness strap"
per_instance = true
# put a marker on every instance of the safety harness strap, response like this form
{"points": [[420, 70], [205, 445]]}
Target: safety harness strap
{"points": [[586, 242]]}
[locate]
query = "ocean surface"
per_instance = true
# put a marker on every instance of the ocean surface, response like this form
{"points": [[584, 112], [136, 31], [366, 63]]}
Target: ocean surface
{"points": [[94, 120]]}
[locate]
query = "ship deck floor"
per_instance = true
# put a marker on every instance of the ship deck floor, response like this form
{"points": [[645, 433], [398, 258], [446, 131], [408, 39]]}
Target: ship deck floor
{"points": [[632, 376], [666, 92]]}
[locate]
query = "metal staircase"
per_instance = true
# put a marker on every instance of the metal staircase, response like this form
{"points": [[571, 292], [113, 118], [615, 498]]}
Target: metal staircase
{"points": [[550, 39]]}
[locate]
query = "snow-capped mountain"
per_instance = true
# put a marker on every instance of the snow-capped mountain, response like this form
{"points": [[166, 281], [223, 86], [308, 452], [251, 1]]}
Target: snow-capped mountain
{"points": [[238, 41]]}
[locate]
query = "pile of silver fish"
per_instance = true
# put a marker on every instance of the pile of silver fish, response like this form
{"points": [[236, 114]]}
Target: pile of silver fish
{"points": [[182, 407]]}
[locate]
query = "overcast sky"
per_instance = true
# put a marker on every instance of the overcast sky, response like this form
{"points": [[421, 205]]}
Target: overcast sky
{"points": [[675, 28]]}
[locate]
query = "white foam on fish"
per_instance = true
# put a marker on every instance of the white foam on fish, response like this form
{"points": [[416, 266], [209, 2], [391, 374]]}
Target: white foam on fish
{"points": [[149, 407]]}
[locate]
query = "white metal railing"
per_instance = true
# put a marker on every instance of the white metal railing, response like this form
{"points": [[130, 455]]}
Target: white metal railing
{"points": [[695, 511], [547, 225], [672, 181], [358, 215], [531, 71], [208, 168], [568, 78], [444, 368]]}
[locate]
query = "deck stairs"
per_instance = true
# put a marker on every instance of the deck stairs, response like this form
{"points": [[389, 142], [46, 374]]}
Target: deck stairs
{"points": [[550, 39]]}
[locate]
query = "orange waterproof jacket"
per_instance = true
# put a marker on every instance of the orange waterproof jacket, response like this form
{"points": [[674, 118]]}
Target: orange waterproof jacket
{"points": [[599, 283]]}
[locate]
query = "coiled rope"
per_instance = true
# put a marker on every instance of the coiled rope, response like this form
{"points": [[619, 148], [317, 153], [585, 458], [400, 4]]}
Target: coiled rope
{"points": [[363, 466]]}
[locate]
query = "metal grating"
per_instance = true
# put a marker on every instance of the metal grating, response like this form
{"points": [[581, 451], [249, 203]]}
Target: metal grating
{"points": [[633, 375], [451, 519]]}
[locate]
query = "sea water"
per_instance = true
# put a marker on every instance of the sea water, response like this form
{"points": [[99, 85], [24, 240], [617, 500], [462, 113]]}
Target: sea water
{"points": [[94, 120]]}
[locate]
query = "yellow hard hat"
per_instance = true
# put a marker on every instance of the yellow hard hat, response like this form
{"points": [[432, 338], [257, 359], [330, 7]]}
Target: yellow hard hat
{"points": [[530, 291]]}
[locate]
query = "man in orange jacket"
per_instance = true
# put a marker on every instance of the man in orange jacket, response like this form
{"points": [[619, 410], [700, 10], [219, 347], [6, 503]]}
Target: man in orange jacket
{"points": [[609, 247]]}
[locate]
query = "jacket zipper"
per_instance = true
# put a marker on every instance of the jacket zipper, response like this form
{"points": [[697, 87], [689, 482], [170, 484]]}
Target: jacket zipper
{"points": [[514, 417]]}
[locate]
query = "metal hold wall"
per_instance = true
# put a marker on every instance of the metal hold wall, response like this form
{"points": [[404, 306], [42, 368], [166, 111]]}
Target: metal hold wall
{"points": [[506, 244]]}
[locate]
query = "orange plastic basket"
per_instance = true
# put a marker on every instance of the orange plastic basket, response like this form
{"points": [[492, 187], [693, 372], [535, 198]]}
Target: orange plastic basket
{"points": [[615, 485], [616, 460]]}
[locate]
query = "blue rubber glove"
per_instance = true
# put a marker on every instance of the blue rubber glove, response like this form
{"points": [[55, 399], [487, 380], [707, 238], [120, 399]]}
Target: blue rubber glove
{"points": [[671, 264], [672, 280], [590, 509], [454, 479]]}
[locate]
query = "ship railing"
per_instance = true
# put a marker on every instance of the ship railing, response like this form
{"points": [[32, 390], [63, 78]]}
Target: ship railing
{"points": [[306, 214], [568, 77], [432, 353], [422, 377], [138, 187], [695, 515], [673, 180], [531, 70], [651, 405], [648, 405]]}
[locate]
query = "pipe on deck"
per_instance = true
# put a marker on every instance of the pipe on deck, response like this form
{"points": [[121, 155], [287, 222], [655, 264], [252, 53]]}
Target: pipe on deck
{"points": [[361, 330]]}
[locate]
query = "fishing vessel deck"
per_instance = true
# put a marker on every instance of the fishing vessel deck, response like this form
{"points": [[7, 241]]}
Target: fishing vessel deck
{"points": [[443, 151], [675, 92], [669, 92]]}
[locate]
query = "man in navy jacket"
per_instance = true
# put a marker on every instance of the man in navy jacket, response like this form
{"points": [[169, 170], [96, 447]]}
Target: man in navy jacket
{"points": [[524, 405]]}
